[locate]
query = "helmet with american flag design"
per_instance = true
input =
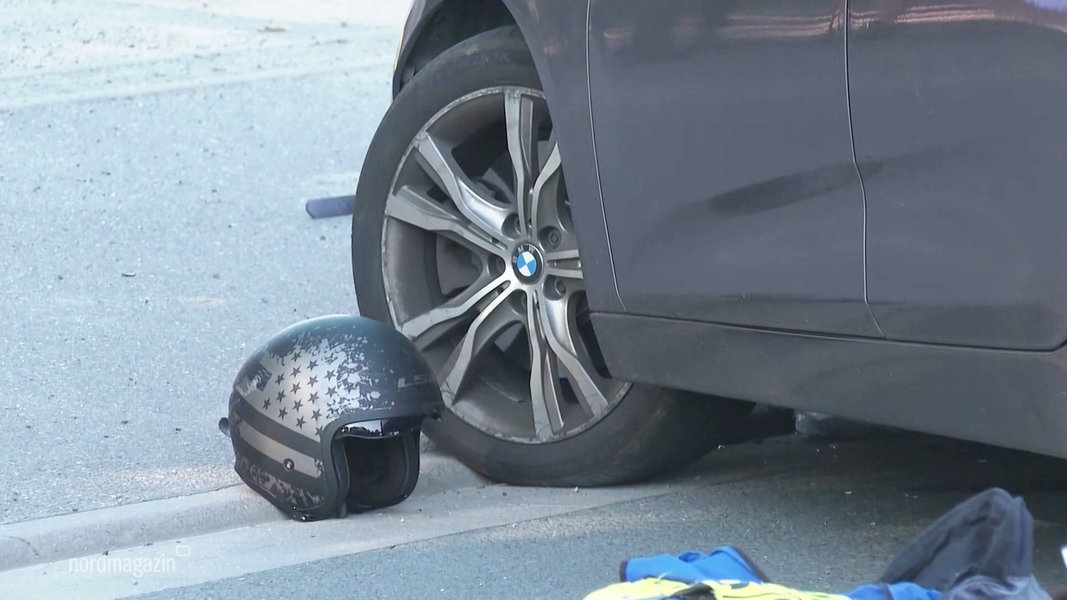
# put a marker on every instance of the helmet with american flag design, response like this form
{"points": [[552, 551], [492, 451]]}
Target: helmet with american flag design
{"points": [[325, 417]]}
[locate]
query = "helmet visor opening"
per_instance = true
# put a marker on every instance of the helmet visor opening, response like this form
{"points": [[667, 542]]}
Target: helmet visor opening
{"points": [[382, 471], [379, 428]]}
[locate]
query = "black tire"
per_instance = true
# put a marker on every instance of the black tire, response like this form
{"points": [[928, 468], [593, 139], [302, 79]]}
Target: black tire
{"points": [[648, 431]]}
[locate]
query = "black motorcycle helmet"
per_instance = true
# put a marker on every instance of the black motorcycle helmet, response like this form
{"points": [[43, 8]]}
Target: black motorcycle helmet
{"points": [[325, 417]]}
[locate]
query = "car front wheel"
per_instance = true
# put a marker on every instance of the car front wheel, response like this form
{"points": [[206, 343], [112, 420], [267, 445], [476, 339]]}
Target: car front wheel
{"points": [[462, 238]]}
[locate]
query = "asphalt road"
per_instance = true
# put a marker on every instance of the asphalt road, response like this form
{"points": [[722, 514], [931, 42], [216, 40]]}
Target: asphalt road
{"points": [[813, 513], [154, 162]]}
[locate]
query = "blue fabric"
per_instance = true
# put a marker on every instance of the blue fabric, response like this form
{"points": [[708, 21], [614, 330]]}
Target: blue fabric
{"points": [[690, 567], [726, 563]]}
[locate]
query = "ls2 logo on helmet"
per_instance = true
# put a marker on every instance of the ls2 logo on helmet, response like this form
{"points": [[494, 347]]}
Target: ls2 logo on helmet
{"points": [[414, 380]]}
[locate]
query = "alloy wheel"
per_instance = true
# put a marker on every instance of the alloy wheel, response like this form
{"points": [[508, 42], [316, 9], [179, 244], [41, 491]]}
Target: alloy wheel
{"points": [[482, 270]]}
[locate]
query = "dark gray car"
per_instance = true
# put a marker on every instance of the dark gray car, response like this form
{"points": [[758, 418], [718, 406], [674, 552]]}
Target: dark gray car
{"points": [[611, 225]]}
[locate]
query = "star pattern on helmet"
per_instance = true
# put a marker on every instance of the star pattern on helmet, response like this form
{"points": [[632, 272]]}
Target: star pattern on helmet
{"points": [[316, 381]]}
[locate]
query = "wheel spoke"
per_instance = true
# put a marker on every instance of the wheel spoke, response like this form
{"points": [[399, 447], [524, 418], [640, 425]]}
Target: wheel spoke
{"points": [[563, 263], [560, 335], [541, 211], [428, 327], [417, 209], [519, 112], [569, 270], [492, 321], [544, 375], [484, 213], [558, 255]]}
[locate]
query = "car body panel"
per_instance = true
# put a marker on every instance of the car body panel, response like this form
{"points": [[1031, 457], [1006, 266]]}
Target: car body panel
{"points": [[726, 162], [959, 110], [1009, 398]]}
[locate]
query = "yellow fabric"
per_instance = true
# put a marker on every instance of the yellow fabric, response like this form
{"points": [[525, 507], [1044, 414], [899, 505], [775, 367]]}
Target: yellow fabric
{"points": [[659, 589], [644, 589]]}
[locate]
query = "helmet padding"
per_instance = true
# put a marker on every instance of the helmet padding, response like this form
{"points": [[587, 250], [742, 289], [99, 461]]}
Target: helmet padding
{"points": [[380, 471]]}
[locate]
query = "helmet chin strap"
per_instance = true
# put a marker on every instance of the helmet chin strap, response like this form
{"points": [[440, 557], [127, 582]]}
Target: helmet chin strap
{"points": [[224, 426]]}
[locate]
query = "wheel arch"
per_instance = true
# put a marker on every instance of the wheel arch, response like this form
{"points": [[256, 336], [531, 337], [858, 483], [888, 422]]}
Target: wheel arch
{"points": [[438, 25]]}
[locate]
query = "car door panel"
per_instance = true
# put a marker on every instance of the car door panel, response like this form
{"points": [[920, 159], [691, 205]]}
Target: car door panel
{"points": [[725, 161], [959, 110]]}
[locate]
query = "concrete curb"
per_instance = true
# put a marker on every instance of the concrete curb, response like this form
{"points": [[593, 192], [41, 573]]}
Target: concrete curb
{"points": [[67, 536], [93, 532]]}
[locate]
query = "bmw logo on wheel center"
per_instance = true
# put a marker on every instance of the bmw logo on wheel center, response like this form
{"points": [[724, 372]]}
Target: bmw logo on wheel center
{"points": [[527, 262]]}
